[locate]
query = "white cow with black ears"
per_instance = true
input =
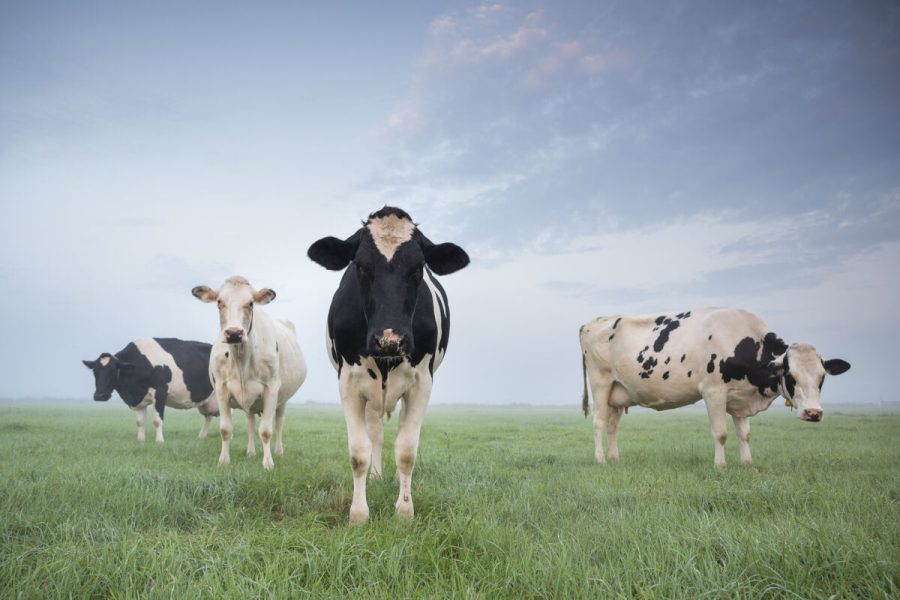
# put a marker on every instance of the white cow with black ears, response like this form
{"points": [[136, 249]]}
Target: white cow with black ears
{"points": [[256, 364], [727, 357]]}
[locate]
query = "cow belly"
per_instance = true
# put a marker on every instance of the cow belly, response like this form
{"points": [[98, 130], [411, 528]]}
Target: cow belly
{"points": [[179, 401], [658, 396]]}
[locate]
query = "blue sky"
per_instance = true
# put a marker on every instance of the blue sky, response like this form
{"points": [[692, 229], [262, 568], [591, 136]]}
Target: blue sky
{"points": [[593, 158]]}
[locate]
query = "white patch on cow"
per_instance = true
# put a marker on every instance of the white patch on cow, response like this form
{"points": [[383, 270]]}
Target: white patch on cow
{"points": [[439, 311], [389, 232], [105, 360]]}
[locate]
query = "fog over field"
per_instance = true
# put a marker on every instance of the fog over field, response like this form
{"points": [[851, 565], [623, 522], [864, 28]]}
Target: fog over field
{"points": [[593, 158]]}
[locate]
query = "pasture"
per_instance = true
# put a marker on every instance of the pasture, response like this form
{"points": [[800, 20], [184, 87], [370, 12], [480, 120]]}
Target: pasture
{"points": [[509, 503]]}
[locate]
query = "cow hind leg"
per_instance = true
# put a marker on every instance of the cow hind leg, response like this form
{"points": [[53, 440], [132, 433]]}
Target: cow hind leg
{"points": [[279, 425], [375, 430], [742, 428], [612, 428], [601, 385], [715, 408], [251, 431], [204, 429]]}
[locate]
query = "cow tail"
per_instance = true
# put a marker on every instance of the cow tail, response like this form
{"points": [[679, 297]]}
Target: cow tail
{"points": [[584, 397]]}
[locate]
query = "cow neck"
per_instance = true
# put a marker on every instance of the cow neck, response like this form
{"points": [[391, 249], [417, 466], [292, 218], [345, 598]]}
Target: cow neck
{"points": [[784, 388]]}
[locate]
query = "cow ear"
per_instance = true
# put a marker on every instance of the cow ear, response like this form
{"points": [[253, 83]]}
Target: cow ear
{"points": [[264, 296], [445, 258], [204, 294], [89, 364], [836, 366], [332, 253]]}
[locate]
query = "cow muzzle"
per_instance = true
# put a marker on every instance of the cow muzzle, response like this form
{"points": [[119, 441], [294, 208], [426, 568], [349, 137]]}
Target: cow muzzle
{"points": [[390, 344], [234, 335], [813, 415], [100, 397]]}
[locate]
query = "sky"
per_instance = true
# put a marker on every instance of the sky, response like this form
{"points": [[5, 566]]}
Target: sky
{"points": [[594, 158]]}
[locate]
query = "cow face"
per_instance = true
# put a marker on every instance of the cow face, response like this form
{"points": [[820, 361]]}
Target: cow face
{"points": [[107, 370], [804, 373], [235, 299], [388, 256]]}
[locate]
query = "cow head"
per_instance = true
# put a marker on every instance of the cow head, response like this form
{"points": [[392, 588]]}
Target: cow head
{"points": [[388, 256], [802, 372], [235, 299], [106, 370]]}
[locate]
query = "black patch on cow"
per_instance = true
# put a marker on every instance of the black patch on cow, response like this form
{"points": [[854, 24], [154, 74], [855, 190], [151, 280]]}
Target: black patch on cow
{"points": [[683, 356], [666, 375], [710, 337], [683, 315], [660, 319], [671, 325], [753, 360], [226, 355], [193, 360], [135, 382], [789, 382], [372, 374], [711, 366], [276, 347], [609, 339], [616, 323], [689, 374], [668, 358], [648, 366]]}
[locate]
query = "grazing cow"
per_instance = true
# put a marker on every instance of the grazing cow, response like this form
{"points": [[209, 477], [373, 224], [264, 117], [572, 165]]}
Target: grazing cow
{"points": [[256, 363], [388, 327], [726, 356], [158, 371]]}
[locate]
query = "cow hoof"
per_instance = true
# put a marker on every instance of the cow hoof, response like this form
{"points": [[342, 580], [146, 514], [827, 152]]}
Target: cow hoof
{"points": [[613, 457], [268, 464], [251, 452], [224, 460], [359, 515], [600, 460], [279, 450], [721, 466], [405, 510]]}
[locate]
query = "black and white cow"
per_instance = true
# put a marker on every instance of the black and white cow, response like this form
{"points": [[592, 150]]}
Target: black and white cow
{"points": [[158, 371], [727, 357], [388, 327]]}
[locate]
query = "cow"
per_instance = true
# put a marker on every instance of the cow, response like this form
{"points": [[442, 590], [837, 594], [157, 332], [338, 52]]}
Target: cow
{"points": [[256, 364], [387, 332], [727, 357], [160, 372]]}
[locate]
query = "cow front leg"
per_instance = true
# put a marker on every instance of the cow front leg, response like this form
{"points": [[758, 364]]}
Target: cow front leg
{"points": [[159, 406], [226, 426], [601, 385], [715, 408], [406, 447], [140, 416], [742, 428], [360, 448], [270, 403], [251, 432], [279, 425], [375, 429]]}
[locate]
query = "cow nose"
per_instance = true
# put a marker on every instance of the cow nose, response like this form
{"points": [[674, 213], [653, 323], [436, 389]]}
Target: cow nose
{"points": [[99, 396], [813, 414], [389, 343], [234, 335]]}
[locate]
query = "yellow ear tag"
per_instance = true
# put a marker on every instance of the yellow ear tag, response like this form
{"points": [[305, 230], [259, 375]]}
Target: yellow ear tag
{"points": [[788, 403]]}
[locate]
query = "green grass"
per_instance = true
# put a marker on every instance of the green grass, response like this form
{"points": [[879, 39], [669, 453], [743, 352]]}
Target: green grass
{"points": [[508, 504]]}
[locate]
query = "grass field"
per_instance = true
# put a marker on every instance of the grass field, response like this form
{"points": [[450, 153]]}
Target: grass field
{"points": [[508, 504]]}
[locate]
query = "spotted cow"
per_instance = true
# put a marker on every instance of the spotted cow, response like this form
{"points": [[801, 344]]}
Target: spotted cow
{"points": [[388, 328], [160, 372], [725, 356], [256, 364]]}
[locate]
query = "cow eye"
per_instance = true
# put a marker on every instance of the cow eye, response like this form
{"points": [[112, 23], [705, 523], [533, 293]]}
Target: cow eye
{"points": [[250, 306]]}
